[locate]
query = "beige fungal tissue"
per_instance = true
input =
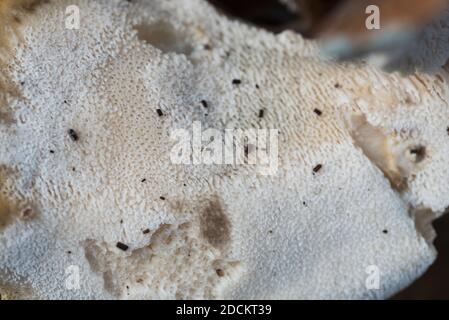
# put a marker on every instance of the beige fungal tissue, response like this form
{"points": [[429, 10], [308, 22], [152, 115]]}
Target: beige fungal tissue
{"points": [[92, 205]]}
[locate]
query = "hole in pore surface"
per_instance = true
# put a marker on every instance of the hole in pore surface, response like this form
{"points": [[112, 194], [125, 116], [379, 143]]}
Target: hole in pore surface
{"points": [[165, 37], [418, 153]]}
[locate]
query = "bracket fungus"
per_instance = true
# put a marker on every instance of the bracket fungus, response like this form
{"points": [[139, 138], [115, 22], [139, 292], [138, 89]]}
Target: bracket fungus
{"points": [[129, 223]]}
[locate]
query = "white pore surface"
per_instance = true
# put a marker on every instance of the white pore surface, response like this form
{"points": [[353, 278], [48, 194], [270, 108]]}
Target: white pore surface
{"points": [[220, 231]]}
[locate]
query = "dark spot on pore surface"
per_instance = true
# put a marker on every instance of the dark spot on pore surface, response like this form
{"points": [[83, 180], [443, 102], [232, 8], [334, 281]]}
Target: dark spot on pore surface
{"points": [[159, 112], [317, 168], [318, 112], [236, 81], [122, 246], [73, 135], [27, 213], [214, 224], [385, 231]]}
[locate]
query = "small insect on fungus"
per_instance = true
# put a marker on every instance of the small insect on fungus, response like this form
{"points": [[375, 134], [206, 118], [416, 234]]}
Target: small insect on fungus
{"points": [[73, 135], [159, 112], [317, 168], [236, 81], [122, 246]]}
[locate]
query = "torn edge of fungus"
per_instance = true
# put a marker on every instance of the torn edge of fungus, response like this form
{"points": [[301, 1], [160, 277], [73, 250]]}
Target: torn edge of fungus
{"points": [[423, 218], [375, 145]]}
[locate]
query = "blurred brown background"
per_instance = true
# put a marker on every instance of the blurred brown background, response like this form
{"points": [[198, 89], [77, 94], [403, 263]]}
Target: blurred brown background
{"points": [[272, 15]]}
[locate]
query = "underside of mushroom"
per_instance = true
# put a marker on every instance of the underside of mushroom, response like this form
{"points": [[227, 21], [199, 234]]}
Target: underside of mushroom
{"points": [[94, 203]]}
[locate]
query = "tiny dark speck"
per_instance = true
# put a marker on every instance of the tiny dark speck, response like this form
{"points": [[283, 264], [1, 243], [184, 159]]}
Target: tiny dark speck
{"points": [[143, 180], [337, 86], [447, 130], [317, 168], [122, 246], [52, 151], [385, 231], [318, 112], [146, 231], [159, 112], [73, 135], [69, 252], [204, 103], [162, 198], [220, 272], [236, 81], [261, 113], [22, 83], [257, 86]]}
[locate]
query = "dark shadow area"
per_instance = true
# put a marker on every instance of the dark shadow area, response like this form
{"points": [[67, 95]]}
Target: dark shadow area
{"points": [[434, 284], [268, 14]]}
